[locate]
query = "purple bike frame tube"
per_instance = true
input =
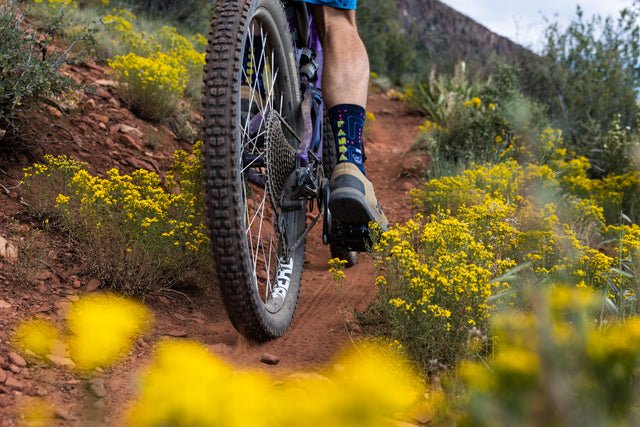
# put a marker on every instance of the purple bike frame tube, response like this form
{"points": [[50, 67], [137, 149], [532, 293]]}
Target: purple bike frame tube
{"points": [[316, 125]]}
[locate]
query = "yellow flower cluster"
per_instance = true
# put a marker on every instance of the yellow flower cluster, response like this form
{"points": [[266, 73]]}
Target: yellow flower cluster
{"points": [[154, 71], [151, 85], [186, 384], [555, 364], [101, 330], [438, 279], [131, 215]]}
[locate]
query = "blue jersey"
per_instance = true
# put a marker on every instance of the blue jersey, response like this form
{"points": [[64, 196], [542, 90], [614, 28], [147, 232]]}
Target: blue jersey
{"points": [[340, 4]]}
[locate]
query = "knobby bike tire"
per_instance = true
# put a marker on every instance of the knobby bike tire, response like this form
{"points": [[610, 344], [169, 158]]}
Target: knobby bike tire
{"points": [[241, 207]]}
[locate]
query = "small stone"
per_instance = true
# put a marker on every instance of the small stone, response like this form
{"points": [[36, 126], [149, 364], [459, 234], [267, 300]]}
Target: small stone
{"points": [[15, 369], [41, 391], [269, 359], [3, 376], [73, 298], [7, 250], [77, 284], [127, 140], [96, 385], [63, 362], [130, 130], [100, 118], [90, 104], [4, 304], [14, 384], [16, 359], [93, 285], [104, 82], [177, 333], [63, 415]]}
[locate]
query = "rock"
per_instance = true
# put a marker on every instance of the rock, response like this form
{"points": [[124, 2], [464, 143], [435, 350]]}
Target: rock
{"points": [[16, 359], [114, 102], [176, 333], [13, 383], [41, 391], [269, 359], [77, 284], [103, 93], [3, 376], [63, 362], [4, 304], [2, 133], [96, 385], [130, 130], [15, 369], [140, 164], [62, 414], [7, 250], [100, 118], [93, 285], [90, 104], [128, 141], [104, 82]]}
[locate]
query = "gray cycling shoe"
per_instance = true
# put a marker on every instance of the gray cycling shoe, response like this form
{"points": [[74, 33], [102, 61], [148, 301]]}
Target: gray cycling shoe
{"points": [[352, 199]]}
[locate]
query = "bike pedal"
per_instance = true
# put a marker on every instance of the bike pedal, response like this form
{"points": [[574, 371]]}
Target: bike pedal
{"points": [[353, 237]]}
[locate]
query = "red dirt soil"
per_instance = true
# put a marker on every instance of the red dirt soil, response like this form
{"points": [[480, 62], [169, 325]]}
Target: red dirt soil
{"points": [[322, 325]]}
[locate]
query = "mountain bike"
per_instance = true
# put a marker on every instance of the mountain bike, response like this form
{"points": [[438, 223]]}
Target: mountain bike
{"points": [[267, 153]]}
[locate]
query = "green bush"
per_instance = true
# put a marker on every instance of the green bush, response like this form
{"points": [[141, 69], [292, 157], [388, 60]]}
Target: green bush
{"points": [[443, 274], [477, 122], [28, 76], [588, 75], [153, 72], [140, 235], [558, 363]]}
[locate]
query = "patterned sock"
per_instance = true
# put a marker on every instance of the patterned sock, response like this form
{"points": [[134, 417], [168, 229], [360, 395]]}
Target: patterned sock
{"points": [[347, 123]]}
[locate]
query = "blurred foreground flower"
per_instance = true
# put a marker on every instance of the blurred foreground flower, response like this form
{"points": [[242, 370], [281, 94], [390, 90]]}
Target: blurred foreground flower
{"points": [[188, 386], [38, 336], [103, 328]]}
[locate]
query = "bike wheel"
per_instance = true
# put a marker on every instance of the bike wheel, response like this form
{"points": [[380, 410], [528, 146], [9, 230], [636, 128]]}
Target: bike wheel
{"points": [[251, 88], [329, 160]]}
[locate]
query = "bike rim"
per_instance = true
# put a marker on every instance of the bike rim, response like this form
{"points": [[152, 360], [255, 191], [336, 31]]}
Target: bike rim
{"points": [[262, 92]]}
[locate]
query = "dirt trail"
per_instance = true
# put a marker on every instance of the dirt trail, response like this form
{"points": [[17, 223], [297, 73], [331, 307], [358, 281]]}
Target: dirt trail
{"points": [[319, 329]]}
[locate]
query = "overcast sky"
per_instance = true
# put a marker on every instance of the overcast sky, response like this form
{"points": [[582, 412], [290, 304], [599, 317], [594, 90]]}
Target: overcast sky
{"points": [[523, 21]]}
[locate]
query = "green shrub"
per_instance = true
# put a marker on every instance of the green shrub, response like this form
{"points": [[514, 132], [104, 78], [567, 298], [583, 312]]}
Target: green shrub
{"points": [[471, 122], [153, 72], [141, 236], [151, 86], [557, 363], [27, 75], [442, 277], [589, 75]]}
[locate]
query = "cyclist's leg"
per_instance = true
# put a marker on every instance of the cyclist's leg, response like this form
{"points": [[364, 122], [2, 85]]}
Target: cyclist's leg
{"points": [[345, 82], [345, 72]]}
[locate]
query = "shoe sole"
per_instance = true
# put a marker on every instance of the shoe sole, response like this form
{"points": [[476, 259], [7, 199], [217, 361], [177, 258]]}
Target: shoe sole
{"points": [[349, 206]]}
